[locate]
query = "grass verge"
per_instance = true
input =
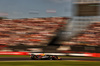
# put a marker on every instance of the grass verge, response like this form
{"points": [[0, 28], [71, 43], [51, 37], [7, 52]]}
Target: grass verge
{"points": [[49, 63]]}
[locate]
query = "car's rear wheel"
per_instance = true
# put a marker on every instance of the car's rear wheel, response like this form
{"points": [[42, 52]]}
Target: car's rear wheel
{"points": [[49, 58], [34, 57]]}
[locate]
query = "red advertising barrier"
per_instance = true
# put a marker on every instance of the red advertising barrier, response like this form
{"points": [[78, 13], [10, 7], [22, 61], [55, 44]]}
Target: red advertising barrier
{"points": [[96, 54], [89, 54], [85, 54], [14, 53], [92, 54]]}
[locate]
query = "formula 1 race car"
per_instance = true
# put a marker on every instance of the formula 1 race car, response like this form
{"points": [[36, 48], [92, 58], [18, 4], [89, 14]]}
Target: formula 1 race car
{"points": [[44, 57]]}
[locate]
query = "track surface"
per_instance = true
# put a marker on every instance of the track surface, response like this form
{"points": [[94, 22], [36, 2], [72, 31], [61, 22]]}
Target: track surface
{"points": [[28, 59]]}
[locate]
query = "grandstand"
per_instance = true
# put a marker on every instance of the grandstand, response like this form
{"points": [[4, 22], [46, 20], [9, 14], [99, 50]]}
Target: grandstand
{"points": [[84, 26], [31, 31], [89, 36], [82, 29]]}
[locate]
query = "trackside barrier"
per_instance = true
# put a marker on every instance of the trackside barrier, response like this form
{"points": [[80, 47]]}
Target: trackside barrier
{"points": [[58, 54], [85, 54], [63, 54], [14, 53], [28, 53], [95, 54], [79, 54]]}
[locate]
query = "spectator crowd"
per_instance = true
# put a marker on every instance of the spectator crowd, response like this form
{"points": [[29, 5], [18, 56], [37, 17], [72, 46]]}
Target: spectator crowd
{"points": [[90, 36], [30, 31]]}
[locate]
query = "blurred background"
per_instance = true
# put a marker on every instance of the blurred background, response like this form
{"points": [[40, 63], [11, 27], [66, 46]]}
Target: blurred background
{"points": [[65, 26]]}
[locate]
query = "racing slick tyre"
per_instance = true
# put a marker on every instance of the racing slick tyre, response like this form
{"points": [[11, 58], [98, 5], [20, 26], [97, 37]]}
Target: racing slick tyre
{"points": [[34, 57], [49, 58], [55, 57]]}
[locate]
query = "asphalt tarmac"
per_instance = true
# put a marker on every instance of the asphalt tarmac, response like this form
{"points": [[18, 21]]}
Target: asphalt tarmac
{"points": [[28, 59]]}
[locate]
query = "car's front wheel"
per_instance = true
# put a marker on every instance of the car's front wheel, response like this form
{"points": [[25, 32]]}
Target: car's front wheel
{"points": [[55, 57]]}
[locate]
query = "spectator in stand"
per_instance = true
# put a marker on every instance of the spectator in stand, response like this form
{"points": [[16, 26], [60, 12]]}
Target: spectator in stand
{"points": [[29, 31]]}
